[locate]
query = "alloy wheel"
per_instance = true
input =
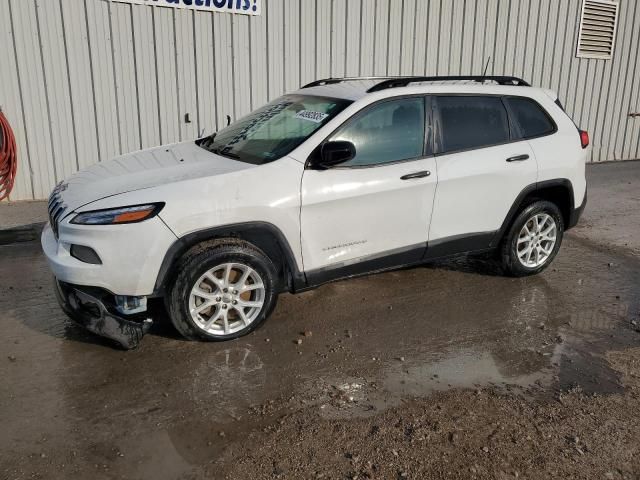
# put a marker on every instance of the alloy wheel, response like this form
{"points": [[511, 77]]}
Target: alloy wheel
{"points": [[536, 240], [227, 299]]}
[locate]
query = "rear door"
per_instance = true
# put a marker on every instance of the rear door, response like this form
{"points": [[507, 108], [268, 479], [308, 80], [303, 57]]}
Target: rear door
{"points": [[482, 168]]}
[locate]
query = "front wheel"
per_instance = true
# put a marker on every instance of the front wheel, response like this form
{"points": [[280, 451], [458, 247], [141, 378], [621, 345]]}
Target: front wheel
{"points": [[222, 291], [533, 240]]}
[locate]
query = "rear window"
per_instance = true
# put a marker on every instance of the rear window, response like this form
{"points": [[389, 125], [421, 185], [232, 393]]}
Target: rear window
{"points": [[532, 120], [471, 122]]}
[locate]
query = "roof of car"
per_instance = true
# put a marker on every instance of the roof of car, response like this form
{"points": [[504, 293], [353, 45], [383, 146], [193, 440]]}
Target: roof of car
{"points": [[357, 88], [350, 90]]}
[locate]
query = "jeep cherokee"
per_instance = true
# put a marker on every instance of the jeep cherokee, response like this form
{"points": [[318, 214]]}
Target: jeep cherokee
{"points": [[341, 178]]}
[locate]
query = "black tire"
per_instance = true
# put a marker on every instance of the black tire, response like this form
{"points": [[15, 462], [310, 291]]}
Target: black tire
{"points": [[205, 257], [510, 261]]}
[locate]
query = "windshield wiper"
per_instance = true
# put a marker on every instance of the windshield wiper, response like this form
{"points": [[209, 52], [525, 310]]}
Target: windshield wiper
{"points": [[227, 154], [206, 142]]}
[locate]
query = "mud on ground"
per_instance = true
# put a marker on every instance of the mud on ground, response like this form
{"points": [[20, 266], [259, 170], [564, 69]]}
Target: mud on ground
{"points": [[448, 370], [486, 433]]}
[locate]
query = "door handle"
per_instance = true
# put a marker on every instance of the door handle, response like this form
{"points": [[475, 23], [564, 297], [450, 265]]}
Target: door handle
{"points": [[518, 158], [410, 176], [634, 114]]}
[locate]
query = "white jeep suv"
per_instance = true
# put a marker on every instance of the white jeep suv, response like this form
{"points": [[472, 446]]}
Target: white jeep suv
{"points": [[341, 178]]}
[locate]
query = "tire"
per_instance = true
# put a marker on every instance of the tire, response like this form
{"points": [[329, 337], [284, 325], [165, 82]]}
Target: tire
{"points": [[209, 284], [517, 244]]}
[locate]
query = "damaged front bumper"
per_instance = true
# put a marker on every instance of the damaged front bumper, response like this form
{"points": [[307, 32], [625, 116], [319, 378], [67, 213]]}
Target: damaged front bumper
{"points": [[89, 308]]}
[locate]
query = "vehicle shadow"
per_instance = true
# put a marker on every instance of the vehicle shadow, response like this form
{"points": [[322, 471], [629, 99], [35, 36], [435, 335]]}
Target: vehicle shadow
{"points": [[481, 264], [162, 326]]}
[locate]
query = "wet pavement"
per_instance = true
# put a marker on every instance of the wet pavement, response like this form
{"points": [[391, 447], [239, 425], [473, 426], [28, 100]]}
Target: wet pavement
{"points": [[71, 406]]}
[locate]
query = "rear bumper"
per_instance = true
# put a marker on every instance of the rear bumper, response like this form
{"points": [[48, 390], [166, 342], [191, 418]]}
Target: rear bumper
{"points": [[87, 308], [575, 215]]}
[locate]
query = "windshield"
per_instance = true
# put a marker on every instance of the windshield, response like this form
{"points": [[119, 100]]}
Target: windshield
{"points": [[275, 129]]}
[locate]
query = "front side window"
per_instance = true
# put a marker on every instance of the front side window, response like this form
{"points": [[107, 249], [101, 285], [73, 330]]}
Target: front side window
{"points": [[471, 122], [387, 132], [274, 130], [530, 117]]}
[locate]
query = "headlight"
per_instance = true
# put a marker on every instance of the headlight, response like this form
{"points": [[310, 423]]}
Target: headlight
{"points": [[113, 216]]}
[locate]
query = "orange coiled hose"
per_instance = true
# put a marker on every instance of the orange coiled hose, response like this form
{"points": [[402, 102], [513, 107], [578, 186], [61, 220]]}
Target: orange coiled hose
{"points": [[8, 157]]}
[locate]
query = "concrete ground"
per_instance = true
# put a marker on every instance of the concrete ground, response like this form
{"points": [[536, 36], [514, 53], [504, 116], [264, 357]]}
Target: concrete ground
{"points": [[19, 214], [444, 371], [21, 221], [613, 212]]}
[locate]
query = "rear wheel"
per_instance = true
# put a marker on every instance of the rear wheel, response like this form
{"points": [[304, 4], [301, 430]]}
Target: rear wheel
{"points": [[223, 290], [533, 239]]}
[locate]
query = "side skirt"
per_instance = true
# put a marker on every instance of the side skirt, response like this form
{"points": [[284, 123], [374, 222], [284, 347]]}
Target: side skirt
{"points": [[459, 244], [397, 259], [363, 266]]}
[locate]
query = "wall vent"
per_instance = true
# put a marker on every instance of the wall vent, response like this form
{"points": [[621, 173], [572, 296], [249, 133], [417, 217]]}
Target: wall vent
{"points": [[597, 28]]}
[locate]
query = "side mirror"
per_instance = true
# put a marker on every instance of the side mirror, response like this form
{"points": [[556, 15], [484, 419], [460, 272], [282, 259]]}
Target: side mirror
{"points": [[335, 153]]}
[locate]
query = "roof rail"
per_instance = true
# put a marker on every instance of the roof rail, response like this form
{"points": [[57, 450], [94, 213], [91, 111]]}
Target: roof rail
{"points": [[329, 81], [393, 82], [404, 81]]}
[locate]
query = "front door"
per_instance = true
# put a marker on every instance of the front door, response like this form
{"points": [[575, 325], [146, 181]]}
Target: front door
{"points": [[372, 212]]}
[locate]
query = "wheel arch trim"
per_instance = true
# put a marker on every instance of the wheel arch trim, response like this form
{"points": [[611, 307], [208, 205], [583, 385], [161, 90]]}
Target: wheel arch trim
{"points": [[294, 278], [528, 190]]}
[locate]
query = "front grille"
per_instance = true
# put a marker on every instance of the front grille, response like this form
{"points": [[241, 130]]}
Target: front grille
{"points": [[56, 208]]}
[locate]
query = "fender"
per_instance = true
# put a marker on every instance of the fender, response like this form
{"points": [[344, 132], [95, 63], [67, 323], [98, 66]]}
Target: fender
{"points": [[531, 189], [294, 279]]}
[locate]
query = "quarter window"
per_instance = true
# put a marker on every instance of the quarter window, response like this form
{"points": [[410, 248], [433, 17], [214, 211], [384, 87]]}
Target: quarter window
{"points": [[387, 132], [471, 122], [530, 117]]}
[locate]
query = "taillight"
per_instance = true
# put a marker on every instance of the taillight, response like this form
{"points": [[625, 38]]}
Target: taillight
{"points": [[584, 138]]}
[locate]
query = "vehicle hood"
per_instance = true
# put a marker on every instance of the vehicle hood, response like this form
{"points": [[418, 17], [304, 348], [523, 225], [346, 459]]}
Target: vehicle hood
{"points": [[144, 169]]}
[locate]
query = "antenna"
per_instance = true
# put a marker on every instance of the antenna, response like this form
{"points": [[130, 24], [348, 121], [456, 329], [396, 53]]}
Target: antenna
{"points": [[484, 73]]}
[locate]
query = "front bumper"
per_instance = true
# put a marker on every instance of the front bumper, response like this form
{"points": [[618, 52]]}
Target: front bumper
{"points": [[89, 308], [131, 255]]}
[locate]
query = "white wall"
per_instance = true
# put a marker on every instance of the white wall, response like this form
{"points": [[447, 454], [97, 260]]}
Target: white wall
{"points": [[84, 80]]}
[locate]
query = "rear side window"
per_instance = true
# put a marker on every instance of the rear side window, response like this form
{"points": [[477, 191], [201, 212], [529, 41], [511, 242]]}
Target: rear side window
{"points": [[532, 120], [471, 122]]}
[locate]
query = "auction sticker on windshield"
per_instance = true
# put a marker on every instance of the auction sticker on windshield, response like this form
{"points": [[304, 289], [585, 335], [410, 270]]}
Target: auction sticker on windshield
{"points": [[315, 117]]}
